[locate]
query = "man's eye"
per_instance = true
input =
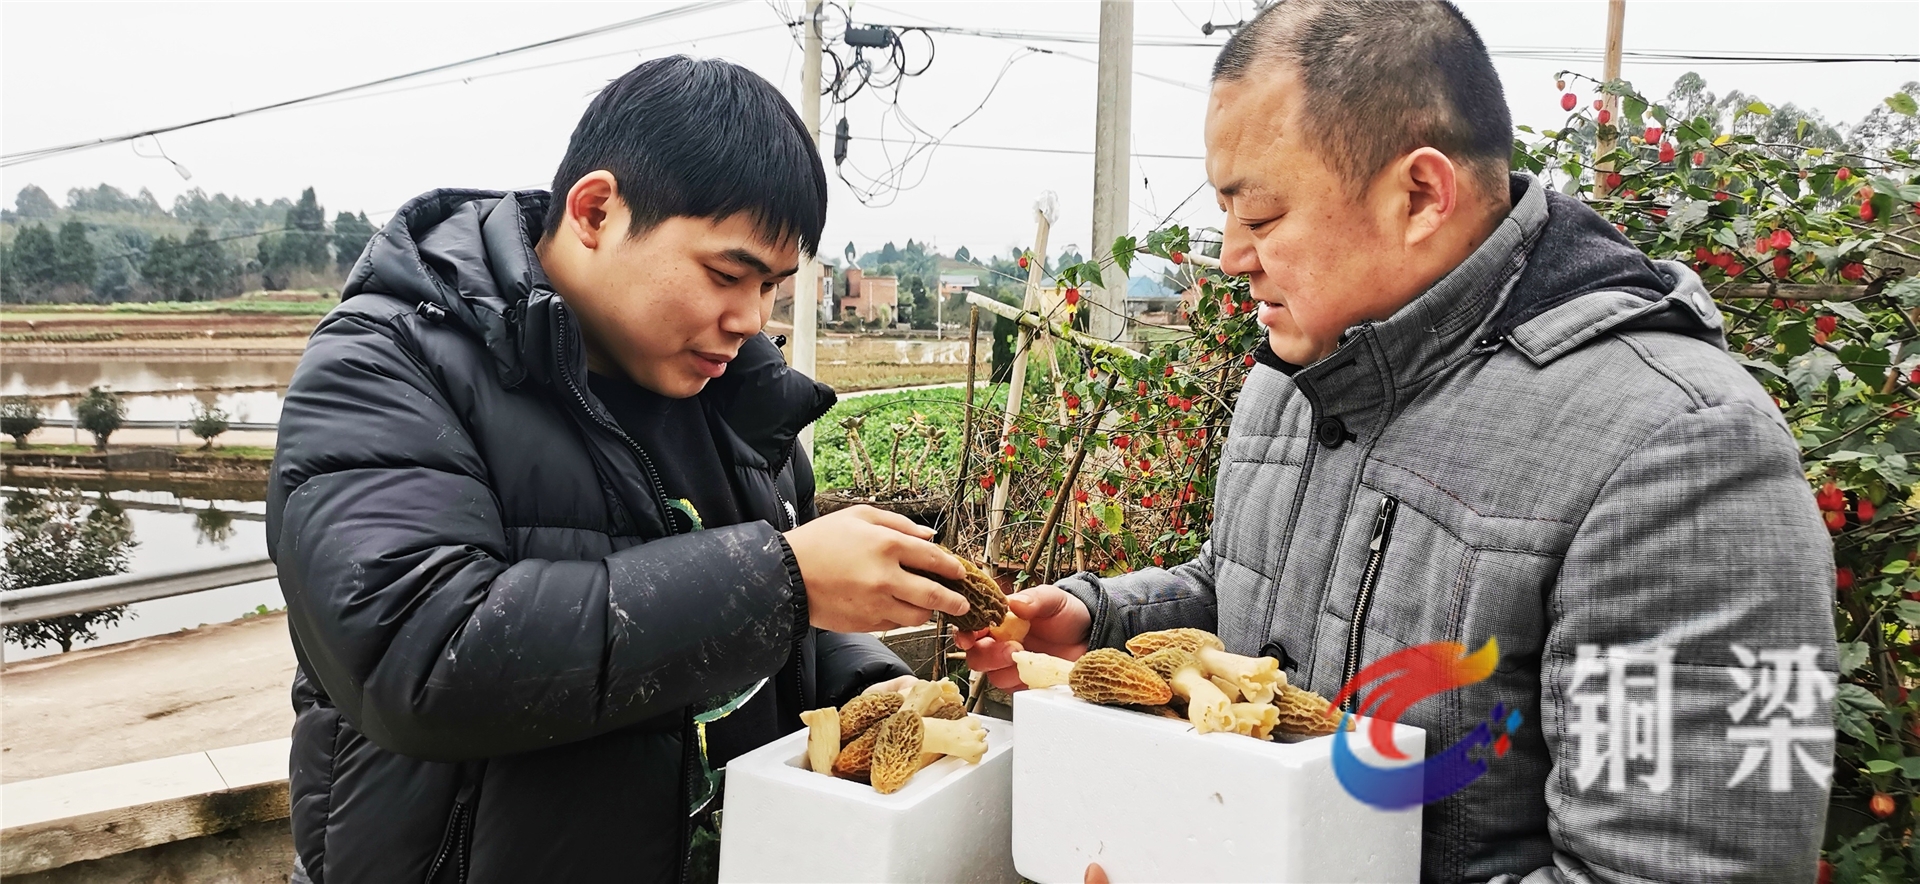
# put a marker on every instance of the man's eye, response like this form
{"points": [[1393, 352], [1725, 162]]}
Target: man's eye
{"points": [[725, 279], [766, 287]]}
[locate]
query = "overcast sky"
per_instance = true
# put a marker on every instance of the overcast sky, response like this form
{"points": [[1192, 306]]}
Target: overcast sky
{"points": [[71, 71]]}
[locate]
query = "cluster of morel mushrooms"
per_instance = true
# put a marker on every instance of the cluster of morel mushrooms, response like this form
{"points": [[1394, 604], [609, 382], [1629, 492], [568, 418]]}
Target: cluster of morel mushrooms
{"points": [[883, 738]]}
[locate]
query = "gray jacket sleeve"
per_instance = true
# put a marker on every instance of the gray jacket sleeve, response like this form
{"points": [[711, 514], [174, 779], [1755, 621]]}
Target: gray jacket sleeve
{"points": [[407, 608], [1703, 539], [1143, 601]]}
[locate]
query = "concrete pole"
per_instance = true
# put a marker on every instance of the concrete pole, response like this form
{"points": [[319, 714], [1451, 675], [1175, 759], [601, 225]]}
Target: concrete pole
{"points": [[806, 283], [1610, 71], [1112, 164]]}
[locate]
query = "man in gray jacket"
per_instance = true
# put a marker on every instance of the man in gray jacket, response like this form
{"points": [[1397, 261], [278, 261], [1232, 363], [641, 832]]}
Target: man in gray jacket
{"points": [[1482, 414]]}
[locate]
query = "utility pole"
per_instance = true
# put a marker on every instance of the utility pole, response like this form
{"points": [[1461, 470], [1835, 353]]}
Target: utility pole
{"points": [[806, 284], [1112, 164], [1610, 71]]}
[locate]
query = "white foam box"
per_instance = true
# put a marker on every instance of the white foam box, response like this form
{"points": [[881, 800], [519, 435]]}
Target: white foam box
{"points": [[1151, 800], [950, 822]]}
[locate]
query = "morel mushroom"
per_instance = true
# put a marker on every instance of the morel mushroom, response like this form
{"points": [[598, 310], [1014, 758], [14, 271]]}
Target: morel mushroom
{"points": [[896, 751], [823, 738], [1186, 638], [1258, 679], [1304, 712], [986, 604], [1255, 720], [1111, 677], [863, 712], [1206, 704], [1011, 629], [1041, 670], [855, 761]]}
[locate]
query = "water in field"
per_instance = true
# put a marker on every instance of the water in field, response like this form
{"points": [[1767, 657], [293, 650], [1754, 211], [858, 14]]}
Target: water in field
{"points": [[175, 529], [156, 390]]}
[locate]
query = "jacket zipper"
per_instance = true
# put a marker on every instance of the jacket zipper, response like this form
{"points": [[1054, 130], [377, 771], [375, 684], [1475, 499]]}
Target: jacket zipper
{"points": [[1376, 550], [646, 463], [453, 847]]}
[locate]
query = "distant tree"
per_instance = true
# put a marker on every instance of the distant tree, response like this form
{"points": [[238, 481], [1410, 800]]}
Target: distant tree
{"points": [[165, 270], [56, 537], [208, 423], [961, 254], [197, 269], [32, 202], [19, 417], [350, 236], [34, 256], [208, 271], [74, 262], [889, 254], [100, 412]]}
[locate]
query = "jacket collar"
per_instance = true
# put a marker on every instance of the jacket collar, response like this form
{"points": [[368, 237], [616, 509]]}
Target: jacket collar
{"points": [[1515, 290], [1367, 379]]}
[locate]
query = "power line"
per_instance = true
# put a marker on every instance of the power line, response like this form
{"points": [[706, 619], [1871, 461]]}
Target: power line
{"points": [[60, 149], [1548, 53], [1018, 149]]}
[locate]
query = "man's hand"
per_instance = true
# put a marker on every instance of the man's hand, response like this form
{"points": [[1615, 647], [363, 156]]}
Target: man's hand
{"points": [[855, 562], [1059, 626]]}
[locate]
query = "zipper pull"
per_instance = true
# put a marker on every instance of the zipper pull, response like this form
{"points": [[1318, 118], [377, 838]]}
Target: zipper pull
{"points": [[1381, 522]]}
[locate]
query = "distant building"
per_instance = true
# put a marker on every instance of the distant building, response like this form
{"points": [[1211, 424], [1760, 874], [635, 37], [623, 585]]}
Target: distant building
{"points": [[869, 298]]}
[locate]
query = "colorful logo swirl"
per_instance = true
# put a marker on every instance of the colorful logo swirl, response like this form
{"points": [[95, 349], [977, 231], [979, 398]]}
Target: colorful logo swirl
{"points": [[1387, 688]]}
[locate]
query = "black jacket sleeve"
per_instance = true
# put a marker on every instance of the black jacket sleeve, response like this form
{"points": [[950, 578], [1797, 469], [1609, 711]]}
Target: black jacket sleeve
{"points": [[394, 562]]}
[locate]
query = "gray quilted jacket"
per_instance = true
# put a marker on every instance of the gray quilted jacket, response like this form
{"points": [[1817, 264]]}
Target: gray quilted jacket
{"points": [[1552, 447]]}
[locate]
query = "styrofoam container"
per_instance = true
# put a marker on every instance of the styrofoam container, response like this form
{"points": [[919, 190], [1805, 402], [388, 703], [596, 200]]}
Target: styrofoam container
{"points": [[951, 822], [1151, 800]]}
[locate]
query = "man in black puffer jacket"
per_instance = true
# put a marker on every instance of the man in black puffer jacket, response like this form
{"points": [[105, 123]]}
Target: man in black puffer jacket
{"points": [[537, 501]]}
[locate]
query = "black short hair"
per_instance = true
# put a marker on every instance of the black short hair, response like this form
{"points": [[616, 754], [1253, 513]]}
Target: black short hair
{"points": [[699, 138], [1383, 79]]}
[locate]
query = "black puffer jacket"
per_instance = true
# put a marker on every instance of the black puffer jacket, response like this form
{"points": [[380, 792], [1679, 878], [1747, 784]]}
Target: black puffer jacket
{"points": [[500, 627]]}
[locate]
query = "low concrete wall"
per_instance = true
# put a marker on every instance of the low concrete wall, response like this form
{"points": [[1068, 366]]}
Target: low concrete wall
{"points": [[257, 853]]}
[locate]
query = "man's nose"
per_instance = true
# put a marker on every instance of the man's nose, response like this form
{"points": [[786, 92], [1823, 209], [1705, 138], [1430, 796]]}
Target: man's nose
{"points": [[1238, 257], [743, 319]]}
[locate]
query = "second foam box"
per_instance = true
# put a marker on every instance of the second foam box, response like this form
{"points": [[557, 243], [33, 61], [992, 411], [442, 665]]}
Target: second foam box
{"points": [[1177, 761]]}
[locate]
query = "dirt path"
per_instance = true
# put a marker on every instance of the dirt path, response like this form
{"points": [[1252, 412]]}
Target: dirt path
{"points": [[220, 685]]}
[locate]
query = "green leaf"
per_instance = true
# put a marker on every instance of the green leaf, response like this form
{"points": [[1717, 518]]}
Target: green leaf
{"points": [[1848, 312], [1910, 766], [1853, 655], [1878, 765], [1909, 611], [1759, 109], [1112, 516], [1810, 371], [1853, 711], [1897, 566], [1761, 366], [1123, 248], [1903, 104]]}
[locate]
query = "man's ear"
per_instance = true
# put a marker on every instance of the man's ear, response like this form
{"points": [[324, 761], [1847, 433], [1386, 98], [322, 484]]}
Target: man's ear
{"points": [[595, 212], [1430, 184]]}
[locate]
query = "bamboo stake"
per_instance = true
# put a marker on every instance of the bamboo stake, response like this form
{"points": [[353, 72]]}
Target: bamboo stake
{"points": [[1017, 384]]}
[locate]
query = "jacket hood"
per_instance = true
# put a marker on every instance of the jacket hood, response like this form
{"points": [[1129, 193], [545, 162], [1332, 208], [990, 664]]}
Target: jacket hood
{"points": [[468, 255]]}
